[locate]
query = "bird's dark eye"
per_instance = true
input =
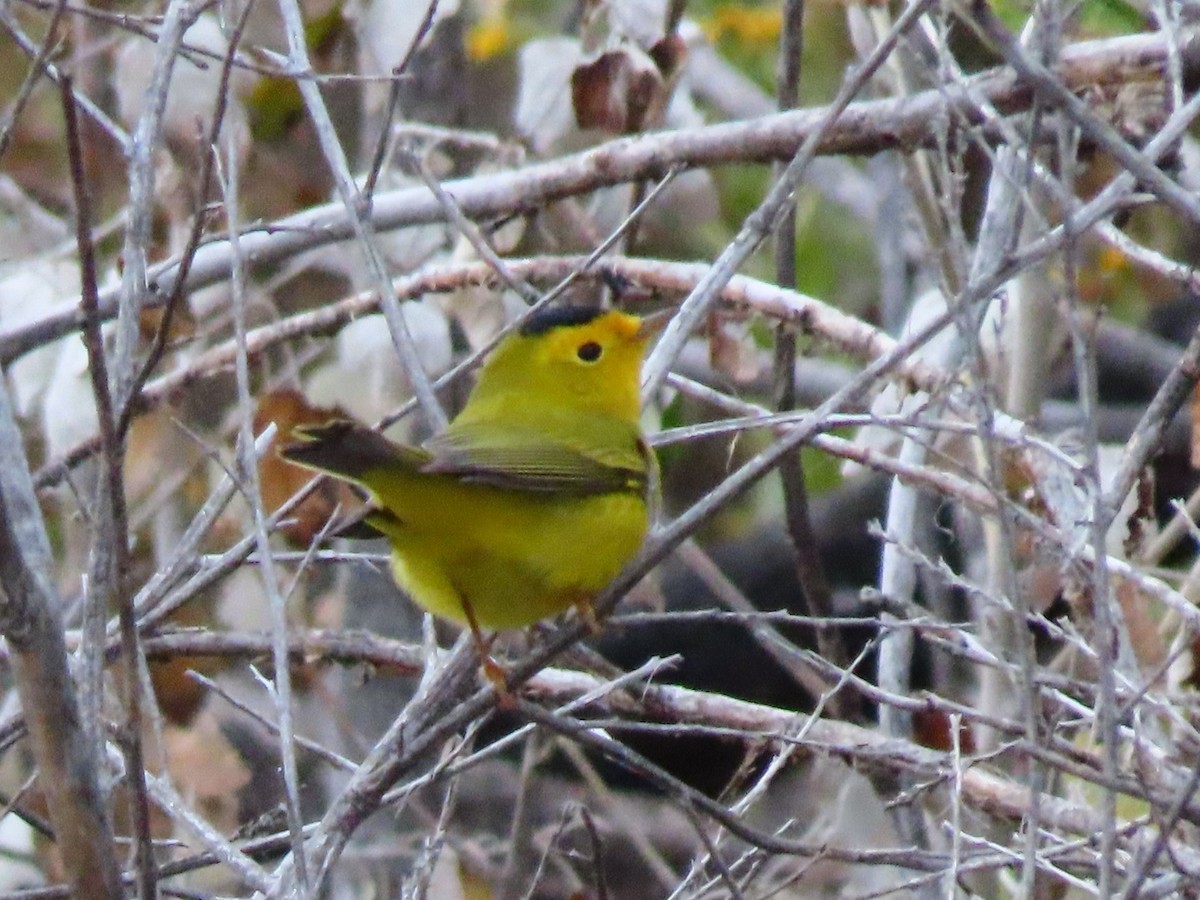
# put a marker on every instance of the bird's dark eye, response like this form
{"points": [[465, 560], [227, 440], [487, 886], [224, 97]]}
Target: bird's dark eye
{"points": [[589, 352]]}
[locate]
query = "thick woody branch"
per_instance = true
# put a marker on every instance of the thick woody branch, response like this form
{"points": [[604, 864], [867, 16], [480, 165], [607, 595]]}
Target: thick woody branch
{"points": [[31, 623]]}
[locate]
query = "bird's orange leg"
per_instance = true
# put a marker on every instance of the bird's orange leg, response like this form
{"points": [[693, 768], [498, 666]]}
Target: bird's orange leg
{"points": [[492, 670]]}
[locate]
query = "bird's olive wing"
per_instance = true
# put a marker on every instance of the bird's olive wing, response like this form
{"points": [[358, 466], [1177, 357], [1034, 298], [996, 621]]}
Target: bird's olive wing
{"points": [[521, 459]]}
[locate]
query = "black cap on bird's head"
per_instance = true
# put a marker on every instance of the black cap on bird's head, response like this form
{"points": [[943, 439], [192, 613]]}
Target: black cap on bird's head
{"points": [[547, 320], [559, 317]]}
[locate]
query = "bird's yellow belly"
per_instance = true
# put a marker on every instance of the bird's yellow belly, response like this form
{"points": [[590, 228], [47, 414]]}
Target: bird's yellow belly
{"points": [[515, 557]]}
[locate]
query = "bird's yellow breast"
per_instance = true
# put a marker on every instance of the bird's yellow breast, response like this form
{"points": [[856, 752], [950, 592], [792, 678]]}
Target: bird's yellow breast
{"points": [[516, 557]]}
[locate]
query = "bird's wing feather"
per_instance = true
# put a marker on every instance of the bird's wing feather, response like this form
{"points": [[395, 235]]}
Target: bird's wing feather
{"points": [[523, 459], [350, 450]]}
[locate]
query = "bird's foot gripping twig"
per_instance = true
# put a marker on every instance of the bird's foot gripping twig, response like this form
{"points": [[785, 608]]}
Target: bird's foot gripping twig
{"points": [[587, 613], [495, 673]]}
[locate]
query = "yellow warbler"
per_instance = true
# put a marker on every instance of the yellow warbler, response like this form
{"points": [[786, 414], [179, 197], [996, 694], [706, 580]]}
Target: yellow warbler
{"points": [[534, 497]]}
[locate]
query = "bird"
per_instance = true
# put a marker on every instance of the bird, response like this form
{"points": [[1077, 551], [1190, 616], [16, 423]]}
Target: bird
{"points": [[534, 497]]}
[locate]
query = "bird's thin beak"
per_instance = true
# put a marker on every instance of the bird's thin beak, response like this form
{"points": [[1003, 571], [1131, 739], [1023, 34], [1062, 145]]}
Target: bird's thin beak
{"points": [[654, 323]]}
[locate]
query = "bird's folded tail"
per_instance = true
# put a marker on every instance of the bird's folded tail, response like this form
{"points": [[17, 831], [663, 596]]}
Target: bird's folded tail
{"points": [[349, 450]]}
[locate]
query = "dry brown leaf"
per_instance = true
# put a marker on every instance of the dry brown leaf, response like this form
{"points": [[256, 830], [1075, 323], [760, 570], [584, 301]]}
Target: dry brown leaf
{"points": [[669, 54], [207, 769], [179, 695], [1141, 516], [1195, 410], [619, 92], [1192, 678], [182, 324], [931, 728], [1140, 623], [158, 450]]}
